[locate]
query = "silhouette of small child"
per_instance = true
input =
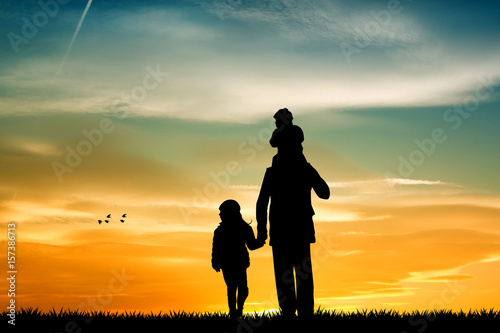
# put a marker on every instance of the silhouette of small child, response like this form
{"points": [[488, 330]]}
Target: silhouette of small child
{"points": [[230, 254], [288, 138]]}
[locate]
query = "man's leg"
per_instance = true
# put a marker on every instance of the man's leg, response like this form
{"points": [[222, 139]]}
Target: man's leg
{"points": [[285, 281], [305, 284]]}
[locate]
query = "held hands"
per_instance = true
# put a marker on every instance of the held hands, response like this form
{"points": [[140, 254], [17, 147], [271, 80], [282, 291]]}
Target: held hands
{"points": [[262, 236], [260, 243], [261, 239]]}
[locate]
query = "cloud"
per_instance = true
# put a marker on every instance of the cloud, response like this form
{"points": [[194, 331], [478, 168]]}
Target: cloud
{"points": [[74, 36], [392, 192], [379, 240], [431, 256], [172, 25], [208, 81], [381, 183], [320, 20], [426, 277]]}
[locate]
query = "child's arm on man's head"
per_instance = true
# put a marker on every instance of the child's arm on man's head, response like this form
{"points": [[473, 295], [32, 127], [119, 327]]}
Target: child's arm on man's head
{"points": [[275, 138]]}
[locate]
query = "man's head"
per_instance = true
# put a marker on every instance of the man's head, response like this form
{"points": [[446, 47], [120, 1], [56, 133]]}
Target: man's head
{"points": [[283, 117]]}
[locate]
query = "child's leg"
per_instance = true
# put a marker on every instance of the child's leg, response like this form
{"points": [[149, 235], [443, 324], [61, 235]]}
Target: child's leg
{"points": [[229, 278], [242, 288]]}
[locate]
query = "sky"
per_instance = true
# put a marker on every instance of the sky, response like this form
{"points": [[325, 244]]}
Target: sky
{"points": [[162, 110]]}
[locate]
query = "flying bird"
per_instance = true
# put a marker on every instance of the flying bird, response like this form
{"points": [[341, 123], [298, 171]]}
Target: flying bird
{"points": [[106, 221], [122, 221], [100, 221], [124, 215], [109, 216]]}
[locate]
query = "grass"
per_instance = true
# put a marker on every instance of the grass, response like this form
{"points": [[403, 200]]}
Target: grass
{"points": [[75, 321]]}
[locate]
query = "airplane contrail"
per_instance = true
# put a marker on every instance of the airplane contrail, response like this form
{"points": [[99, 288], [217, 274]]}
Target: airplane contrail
{"points": [[74, 36]]}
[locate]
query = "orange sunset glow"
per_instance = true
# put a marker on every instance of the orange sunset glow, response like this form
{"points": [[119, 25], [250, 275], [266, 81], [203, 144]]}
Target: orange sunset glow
{"points": [[162, 110]]}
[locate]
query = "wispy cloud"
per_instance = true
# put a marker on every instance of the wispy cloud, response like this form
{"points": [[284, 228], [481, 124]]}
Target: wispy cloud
{"points": [[363, 183], [385, 183], [23, 146], [78, 27], [313, 19]]}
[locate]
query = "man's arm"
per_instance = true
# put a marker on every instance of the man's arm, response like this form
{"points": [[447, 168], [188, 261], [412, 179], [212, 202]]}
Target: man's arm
{"points": [[319, 185], [251, 242], [262, 205]]}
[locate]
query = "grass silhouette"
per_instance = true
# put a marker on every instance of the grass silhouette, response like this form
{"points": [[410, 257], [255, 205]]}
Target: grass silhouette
{"points": [[76, 321]]}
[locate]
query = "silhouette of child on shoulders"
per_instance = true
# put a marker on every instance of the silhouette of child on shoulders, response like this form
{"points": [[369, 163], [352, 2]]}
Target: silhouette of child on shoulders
{"points": [[230, 254], [288, 138]]}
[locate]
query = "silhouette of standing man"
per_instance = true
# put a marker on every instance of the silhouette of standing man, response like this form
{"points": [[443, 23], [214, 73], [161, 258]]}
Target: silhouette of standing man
{"points": [[291, 231]]}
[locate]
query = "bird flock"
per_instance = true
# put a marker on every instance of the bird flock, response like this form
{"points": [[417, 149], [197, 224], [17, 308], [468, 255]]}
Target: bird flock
{"points": [[109, 217]]}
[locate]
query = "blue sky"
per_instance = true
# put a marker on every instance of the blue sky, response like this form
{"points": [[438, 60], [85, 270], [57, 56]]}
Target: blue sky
{"points": [[404, 90], [364, 80]]}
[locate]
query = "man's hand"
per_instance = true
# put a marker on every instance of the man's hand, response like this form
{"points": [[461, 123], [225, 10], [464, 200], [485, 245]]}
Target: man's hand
{"points": [[261, 235], [260, 243]]}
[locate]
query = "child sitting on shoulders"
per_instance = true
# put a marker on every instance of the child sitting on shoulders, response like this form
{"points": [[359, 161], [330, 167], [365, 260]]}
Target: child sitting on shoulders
{"points": [[288, 138]]}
